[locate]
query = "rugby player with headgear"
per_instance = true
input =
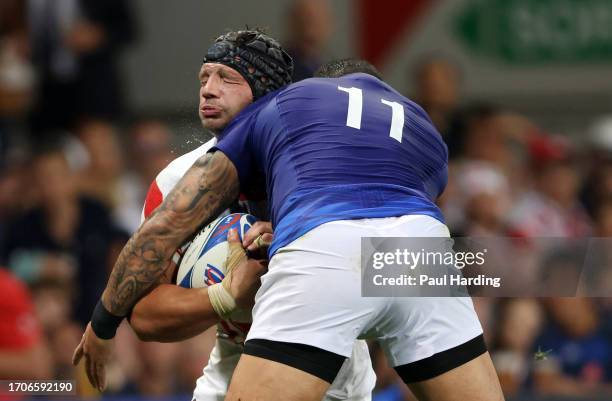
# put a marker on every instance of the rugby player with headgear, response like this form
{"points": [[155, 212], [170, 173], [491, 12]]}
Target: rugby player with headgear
{"points": [[240, 67]]}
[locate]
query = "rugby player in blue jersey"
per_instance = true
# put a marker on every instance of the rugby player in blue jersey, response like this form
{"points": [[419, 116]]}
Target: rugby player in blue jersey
{"points": [[347, 158], [344, 158]]}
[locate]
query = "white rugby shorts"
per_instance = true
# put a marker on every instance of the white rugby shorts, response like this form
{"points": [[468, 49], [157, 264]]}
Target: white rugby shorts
{"points": [[312, 295]]}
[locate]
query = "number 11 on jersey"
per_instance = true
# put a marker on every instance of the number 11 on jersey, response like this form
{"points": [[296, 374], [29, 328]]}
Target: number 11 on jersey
{"points": [[355, 107]]}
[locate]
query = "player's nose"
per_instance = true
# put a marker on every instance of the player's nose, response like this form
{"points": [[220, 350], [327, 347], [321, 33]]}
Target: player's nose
{"points": [[211, 88]]}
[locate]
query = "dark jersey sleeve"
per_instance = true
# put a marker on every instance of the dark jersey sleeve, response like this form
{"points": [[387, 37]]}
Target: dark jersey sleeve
{"points": [[236, 144], [244, 140]]}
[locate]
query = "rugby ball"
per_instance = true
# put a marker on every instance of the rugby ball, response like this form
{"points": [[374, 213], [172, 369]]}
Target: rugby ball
{"points": [[203, 263]]}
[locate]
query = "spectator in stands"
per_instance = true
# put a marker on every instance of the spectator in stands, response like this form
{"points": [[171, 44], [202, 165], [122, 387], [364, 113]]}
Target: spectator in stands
{"points": [[437, 88], [597, 187], [578, 363], [479, 200], [485, 132], [309, 26], [518, 323], [14, 195], [150, 146], [106, 176], [597, 266], [75, 48], [484, 137], [65, 223], [552, 207], [53, 299], [23, 350], [16, 79], [99, 178], [16, 74]]}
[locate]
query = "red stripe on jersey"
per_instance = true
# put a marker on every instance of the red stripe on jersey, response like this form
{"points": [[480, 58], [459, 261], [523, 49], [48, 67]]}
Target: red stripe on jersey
{"points": [[153, 200]]}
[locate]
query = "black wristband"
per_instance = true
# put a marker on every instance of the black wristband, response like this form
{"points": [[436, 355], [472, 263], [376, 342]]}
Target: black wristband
{"points": [[104, 323]]}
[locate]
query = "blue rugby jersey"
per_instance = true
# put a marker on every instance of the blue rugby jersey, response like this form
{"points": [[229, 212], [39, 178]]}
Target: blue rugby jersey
{"points": [[337, 149]]}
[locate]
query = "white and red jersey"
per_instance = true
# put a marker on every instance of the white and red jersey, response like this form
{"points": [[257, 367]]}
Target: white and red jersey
{"points": [[354, 382], [168, 177], [159, 189]]}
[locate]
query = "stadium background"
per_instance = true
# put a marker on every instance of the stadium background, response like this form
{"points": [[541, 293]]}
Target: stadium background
{"points": [[521, 90]]}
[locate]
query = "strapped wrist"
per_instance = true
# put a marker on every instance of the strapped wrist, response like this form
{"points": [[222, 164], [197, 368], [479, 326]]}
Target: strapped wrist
{"points": [[103, 323], [221, 300]]}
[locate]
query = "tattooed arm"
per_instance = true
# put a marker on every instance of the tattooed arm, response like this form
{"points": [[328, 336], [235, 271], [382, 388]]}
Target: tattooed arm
{"points": [[208, 188], [205, 190]]}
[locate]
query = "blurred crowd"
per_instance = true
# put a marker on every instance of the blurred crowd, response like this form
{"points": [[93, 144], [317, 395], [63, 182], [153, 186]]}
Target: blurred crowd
{"points": [[75, 166], [509, 177]]}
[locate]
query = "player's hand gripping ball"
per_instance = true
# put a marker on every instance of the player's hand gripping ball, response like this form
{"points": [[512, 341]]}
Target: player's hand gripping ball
{"points": [[214, 262]]}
